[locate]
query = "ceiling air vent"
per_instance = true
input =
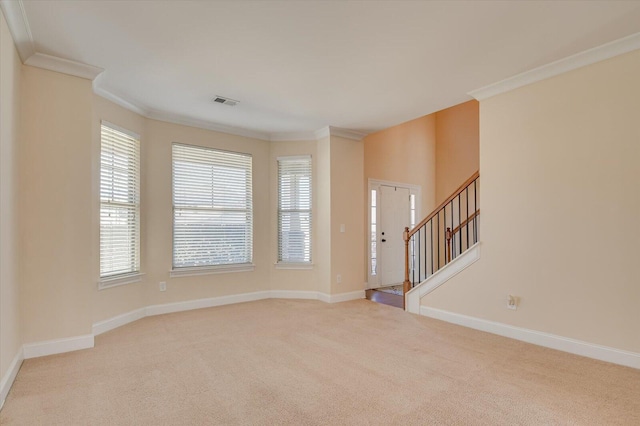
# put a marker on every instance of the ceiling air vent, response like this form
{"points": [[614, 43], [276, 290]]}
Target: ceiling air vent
{"points": [[225, 101]]}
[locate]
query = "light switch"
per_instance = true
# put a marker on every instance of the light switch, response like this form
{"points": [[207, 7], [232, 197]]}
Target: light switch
{"points": [[342, 227]]}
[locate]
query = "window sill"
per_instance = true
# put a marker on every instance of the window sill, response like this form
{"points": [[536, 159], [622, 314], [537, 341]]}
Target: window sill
{"points": [[118, 280], [287, 265], [206, 270]]}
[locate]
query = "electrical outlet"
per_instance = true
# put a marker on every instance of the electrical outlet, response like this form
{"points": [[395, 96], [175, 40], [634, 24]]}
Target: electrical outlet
{"points": [[163, 286], [512, 302], [338, 278]]}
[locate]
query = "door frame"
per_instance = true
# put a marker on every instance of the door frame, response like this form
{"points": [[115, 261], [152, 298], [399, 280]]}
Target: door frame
{"points": [[373, 280]]}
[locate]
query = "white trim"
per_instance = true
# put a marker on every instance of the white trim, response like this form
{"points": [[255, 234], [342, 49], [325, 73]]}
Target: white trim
{"points": [[118, 100], [328, 131], [587, 57], [294, 266], [57, 346], [322, 133], [189, 305], [118, 321], [117, 128], [343, 297], [118, 280], [207, 270], [373, 281], [126, 318], [10, 376], [294, 157], [18, 24], [292, 136], [442, 275], [64, 66], [203, 124], [565, 344], [346, 133]]}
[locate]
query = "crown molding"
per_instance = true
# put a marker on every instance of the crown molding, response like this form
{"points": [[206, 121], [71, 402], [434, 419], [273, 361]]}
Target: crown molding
{"points": [[16, 18], [118, 100], [65, 66], [346, 133], [587, 57], [292, 136], [322, 133], [337, 131], [203, 124]]}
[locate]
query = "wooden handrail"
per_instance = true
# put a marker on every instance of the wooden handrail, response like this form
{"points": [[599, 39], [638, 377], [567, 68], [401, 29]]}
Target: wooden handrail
{"points": [[444, 203], [464, 222]]}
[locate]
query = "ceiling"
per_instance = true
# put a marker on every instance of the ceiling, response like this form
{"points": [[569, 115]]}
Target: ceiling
{"points": [[297, 67]]}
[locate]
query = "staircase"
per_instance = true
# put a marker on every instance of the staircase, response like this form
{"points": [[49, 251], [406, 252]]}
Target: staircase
{"points": [[443, 243]]}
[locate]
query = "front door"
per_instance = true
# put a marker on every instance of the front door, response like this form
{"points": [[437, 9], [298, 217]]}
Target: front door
{"points": [[394, 215]]}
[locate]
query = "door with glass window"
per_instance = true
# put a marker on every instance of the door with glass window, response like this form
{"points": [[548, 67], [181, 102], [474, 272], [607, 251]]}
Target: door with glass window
{"points": [[392, 208]]}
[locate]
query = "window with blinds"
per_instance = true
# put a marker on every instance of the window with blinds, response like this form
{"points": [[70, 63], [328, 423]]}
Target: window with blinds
{"points": [[119, 202], [294, 209], [212, 207]]}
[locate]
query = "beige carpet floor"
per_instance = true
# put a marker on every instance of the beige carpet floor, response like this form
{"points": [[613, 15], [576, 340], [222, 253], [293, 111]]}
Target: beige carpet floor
{"points": [[310, 363]]}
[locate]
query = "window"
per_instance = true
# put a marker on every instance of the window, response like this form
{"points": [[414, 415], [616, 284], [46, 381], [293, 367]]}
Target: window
{"points": [[294, 209], [212, 207], [373, 236], [119, 203]]}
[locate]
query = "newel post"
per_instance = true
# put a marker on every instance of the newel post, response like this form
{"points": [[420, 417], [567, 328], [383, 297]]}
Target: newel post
{"points": [[406, 286]]}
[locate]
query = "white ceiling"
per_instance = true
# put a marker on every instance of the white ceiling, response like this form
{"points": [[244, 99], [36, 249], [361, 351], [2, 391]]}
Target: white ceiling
{"points": [[300, 66]]}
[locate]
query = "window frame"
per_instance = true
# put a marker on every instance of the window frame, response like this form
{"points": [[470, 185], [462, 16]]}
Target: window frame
{"points": [[294, 264], [134, 274], [212, 268]]}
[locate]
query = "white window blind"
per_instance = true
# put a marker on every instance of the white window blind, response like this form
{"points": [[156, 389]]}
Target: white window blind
{"points": [[212, 207], [294, 209], [119, 202]]}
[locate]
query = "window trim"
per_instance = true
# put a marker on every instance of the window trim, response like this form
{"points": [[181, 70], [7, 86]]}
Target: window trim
{"points": [[121, 279], [184, 271], [116, 280], [288, 264]]}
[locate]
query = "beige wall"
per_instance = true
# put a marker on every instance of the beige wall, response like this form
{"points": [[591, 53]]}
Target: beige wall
{"points": [[347, 208], [55, 205], [405, 153], [323, 237], [457, 147], [560, 207], [10, 91]]}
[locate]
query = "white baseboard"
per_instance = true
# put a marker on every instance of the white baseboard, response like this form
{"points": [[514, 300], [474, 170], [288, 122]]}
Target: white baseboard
{"points": [[117, 321], [57, 346], [10, 376], [126, 318], [444, 274], [344, 297], [205, 303], [565, 344]]}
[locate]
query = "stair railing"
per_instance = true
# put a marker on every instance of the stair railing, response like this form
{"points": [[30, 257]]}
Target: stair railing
{"points": [[447, 232]]}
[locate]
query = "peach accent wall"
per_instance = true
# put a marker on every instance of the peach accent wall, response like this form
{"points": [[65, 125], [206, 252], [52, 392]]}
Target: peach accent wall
{"points": [[405, 153], [559, 170], [10, 93], [457, 147], [55, 171]]}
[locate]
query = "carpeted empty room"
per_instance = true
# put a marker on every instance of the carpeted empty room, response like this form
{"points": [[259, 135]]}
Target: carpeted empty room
{"points": [[307, 362]]}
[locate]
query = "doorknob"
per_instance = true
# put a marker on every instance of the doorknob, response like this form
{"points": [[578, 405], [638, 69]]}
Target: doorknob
{"points": [[384, 241]]}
